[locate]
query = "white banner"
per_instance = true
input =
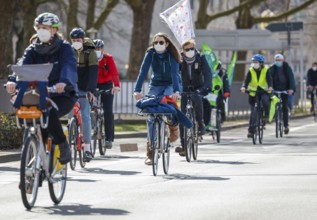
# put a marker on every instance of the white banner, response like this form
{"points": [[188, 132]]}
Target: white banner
{"points": [[179, 20]]}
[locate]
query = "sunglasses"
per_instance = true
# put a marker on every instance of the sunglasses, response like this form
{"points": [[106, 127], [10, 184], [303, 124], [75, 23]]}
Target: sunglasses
{"points": [[188, 49], [159, 42]]}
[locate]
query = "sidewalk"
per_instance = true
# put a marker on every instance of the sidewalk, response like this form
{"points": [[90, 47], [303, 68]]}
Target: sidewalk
{"points": [[14, 155]]}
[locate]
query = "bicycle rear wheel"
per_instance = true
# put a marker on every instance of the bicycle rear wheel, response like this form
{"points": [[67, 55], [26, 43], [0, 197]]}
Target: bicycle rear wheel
{"points": [[29, 175], [254, 121], [155, 145], [165, 147], [277, 123], [188, 137], [218, 126], [81, 153], [101, 137], [58, 176], [260, 126], [95, 130], [195, 142], [72, 139], [281, 126]]}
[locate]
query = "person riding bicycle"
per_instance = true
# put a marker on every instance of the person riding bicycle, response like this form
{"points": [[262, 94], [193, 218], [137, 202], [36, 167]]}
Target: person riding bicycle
{"points": [[258, 78], [312, 83], [222, 94], [87, 70], [283, 80], [49, 47], [196, 77], [108, 78], [163, 56]]}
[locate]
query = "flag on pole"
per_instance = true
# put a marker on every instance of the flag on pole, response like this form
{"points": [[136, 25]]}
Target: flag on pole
{"points": [[231, 66], [210, 56], [179, 20]]}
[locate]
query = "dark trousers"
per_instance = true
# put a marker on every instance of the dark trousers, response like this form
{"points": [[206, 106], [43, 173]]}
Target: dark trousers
{"points": [[265, 100], [208, 107], [65, 105], [107, 101], [197, 101], [312, 95]]}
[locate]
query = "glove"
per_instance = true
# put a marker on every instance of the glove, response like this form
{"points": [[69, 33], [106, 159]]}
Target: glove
{"points": [[226, 94], [205, 91]]}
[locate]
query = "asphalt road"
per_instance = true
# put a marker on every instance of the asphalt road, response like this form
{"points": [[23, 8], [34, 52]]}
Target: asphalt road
{"points": [[231, 180]]}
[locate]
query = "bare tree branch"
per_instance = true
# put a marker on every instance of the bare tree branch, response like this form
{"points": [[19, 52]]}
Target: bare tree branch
{"points": [[284, 14], [111, 4]]}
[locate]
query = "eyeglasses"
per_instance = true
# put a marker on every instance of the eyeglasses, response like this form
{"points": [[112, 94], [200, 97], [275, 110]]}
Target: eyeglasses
{"points": [[159, 42], [188, 49]]}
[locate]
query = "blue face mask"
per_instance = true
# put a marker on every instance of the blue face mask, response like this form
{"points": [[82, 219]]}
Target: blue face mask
{"points": [[278, 63]]}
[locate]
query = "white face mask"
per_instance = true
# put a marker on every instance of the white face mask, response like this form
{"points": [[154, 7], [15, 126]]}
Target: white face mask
{"points": [[190, 53], [315, 68], [44, 35], [77, 45], [255, 65], [159, 48], [98, 53]]}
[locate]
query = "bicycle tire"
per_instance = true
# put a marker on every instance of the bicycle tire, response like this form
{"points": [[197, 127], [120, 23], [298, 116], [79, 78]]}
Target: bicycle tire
{"points": [[277, 123], [166, 147], [94, 137], [101, 137], [260, 126], [188, 138], [58, 176], [81, 153], [315, 109], [29, 177], [155, 145], [195, 142], [254, 125], [72, 139], [218, 126], [281, 126]]}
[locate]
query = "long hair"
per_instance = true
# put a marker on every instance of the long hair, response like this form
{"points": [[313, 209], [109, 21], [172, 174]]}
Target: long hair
{"points": [[171, 46]]}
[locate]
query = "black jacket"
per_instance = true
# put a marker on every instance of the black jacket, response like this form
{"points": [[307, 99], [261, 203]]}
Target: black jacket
{"points": [[223, 75], [311, 77], [201, 74], [285, 81]]}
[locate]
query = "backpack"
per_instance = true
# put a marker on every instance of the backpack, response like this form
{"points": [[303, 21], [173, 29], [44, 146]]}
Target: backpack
{"points": [[89, 47]]}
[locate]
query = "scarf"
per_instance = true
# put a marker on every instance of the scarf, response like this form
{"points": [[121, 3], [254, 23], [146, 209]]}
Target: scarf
{"points": [[47, 48]]}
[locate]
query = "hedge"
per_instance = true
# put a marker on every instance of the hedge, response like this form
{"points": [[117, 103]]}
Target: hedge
{"points": [[10, 135]]}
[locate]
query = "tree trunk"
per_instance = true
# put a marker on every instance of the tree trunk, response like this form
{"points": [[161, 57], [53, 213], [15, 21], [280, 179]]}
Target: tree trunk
{"points": [[7, 10], [90, 14], [142, 17], [72, 16]]}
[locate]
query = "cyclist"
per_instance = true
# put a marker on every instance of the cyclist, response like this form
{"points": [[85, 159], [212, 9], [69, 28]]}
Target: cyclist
{"points": [[49, 47], [312, 83], [223, 94], [196, 77], [108, 78], [283, 79], [258, 78], [87, 70], [163, 56]]}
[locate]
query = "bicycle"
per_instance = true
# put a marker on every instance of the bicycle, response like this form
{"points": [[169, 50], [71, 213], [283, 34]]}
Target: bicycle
{"points": [[39, 160], [215, 119], [279, 121], [75, 137], [97, 117], [257, 125], [159, 139], [191, 136]]}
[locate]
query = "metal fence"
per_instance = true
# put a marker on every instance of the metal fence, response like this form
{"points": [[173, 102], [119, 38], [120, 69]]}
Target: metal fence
{"points": [[124, 102]]}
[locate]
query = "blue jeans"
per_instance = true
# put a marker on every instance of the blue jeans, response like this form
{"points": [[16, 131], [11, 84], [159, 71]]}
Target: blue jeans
{"points": [[291, 102], [85, 116]]}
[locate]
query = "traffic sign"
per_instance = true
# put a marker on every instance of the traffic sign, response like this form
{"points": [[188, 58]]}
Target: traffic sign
{"points": [[285, 26]]}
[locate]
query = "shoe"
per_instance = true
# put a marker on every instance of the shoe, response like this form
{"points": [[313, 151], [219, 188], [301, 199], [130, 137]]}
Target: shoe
{"points": [[201, 129], [65, 155], [174, 134], [108, 144], [148, 160], [88, 156], [250, 135], [286, 130], [182, 154], [179, 149]]}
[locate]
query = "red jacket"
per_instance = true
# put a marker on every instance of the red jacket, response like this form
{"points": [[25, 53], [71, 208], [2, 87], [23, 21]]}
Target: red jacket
{"points": [[107, 71]]}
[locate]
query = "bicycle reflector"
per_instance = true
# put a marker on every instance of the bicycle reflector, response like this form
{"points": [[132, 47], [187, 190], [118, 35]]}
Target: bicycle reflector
{"points": [[31, 112]]}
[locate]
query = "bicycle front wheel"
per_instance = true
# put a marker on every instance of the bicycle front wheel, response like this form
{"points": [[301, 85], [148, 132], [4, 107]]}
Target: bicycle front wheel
{"points": [[155, 145], [195, 141], [218, 126], [281, 126], [72, 138], [254, 121], [101, 137], [58, 176], [260, 126], [166, 147], [29, 174], [277, 123]]}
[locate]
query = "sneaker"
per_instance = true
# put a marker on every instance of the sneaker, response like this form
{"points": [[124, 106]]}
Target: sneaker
{"points": [[182, 154], [286, 130], [179, 149], [65, 155], [148, 161], [108, 144], [201, 129], [88, 156], [250, 135]]}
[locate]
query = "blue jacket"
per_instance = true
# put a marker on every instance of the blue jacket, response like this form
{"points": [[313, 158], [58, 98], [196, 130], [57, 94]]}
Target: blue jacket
{"points": [[165, 70], [154, 105], [65, 64]]}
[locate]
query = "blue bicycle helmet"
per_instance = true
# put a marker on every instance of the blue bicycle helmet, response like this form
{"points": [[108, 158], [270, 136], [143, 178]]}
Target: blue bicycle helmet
{"points": [[77, 33], [99, 43], [258, 57]]}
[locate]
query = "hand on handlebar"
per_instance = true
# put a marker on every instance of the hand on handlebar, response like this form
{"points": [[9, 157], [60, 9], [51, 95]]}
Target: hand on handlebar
{"points": [[175, 96], [137, 95], [60, 87], [91, 97], [11, 87], [242, 89]]}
